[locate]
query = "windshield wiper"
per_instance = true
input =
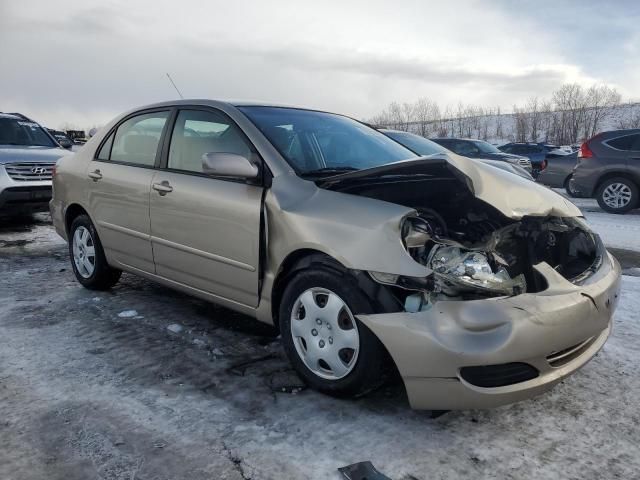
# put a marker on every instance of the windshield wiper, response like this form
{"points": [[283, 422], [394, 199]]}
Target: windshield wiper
{"points": [[327, 171]]}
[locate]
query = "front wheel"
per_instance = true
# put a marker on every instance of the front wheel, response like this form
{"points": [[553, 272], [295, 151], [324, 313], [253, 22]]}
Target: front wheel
{"points": [[87, 256], [617, 195], [329, 348]]}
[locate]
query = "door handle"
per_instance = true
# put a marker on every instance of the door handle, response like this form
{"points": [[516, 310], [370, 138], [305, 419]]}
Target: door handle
{"points": [[95, 175], [163, 187]]}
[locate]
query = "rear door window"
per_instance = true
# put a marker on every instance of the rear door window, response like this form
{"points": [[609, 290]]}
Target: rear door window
{"points": [[136, 140]]}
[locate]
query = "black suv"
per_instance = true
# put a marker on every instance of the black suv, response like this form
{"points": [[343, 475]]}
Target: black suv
{"points": [[535, 152], [481, 150], [608, 169]]}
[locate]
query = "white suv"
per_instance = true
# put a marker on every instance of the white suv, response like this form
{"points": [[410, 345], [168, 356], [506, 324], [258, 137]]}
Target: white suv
{"points": [[28, 154]]}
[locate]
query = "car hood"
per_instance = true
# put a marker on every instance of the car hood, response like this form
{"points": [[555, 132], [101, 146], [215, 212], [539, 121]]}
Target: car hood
{"points": [[22, 153], [508, 167], [501, 156], [514, 196]]}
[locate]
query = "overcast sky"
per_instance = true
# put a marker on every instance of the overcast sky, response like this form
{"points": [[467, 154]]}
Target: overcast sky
{"points": [[84, 62]]}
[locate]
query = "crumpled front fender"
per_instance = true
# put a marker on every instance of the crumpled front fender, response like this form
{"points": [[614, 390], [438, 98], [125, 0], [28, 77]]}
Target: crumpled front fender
{"points": [[361, 233]]}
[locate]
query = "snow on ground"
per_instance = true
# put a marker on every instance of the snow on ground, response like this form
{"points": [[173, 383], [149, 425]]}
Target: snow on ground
{"points": [[617, 231], [185, 389]]}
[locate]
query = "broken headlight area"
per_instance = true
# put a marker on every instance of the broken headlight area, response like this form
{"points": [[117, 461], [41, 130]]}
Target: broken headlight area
{"points": [[457, 270], [475, 257]]}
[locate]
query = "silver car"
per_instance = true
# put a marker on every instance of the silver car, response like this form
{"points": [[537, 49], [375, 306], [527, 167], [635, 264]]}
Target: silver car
{"points": [[479, 287], [28, 154]]}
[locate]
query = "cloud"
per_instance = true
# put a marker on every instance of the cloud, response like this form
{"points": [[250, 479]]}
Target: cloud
{"points": [[70, 61]]}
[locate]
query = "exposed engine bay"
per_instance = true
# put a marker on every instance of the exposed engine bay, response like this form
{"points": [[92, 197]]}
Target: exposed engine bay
{"points": [[481, 258], [472, 249]]}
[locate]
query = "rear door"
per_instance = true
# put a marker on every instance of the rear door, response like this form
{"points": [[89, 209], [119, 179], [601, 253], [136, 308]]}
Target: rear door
{"points": [[119, 184], [206, 230]]}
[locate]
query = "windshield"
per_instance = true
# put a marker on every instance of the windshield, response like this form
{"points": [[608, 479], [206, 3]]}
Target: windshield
{"points": [[317, 143], [416, 143], [486, 147], [14, 131]]}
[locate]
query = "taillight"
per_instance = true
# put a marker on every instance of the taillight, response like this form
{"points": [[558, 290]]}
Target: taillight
{"points": [[585, 151], [543, 165]]}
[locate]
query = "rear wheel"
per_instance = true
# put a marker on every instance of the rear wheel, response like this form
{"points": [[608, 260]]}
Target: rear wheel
{"points": [[87, 256], [569, 188], [617, 195], [329, 348]]}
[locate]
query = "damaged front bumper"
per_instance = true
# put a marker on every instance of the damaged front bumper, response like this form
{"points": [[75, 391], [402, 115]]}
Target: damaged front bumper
{"points": [[484, 353]]}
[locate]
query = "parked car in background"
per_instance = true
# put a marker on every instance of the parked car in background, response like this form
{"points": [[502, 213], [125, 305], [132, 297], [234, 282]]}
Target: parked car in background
{"points": [[28, 154], [78, 137], [481, 150], [536, 153], [424, 146], [62, 138], [608, 170], [480, 287], [558, 171]]}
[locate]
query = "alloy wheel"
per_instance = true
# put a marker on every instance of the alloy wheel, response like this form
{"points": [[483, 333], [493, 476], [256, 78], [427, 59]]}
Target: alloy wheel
{"points": [[84, 252], [617, 195]]}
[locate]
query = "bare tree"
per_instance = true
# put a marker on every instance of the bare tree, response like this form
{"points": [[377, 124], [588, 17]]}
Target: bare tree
{"points": [[379, 120], [425, 113], [628, 116], [570, 102], [601, 100], [534, 118], [571, 114], [522, 123], [499, 128]]}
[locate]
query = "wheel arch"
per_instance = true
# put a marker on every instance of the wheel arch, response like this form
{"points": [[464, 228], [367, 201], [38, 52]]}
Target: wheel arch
{"points": [[616, 173], [71, 212], [293, 263], [298, 260]]}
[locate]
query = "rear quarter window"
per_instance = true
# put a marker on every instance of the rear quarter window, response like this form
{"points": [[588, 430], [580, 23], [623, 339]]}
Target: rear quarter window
{"points": [[626, 142], [105, 151]]}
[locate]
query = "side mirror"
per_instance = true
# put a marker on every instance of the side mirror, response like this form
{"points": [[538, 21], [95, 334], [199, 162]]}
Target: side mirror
{"points": [[65, 143], [228, 165]]}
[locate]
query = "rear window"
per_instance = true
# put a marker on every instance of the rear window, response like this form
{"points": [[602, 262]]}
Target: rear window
{"points": [[627, 142], [533, 149]]}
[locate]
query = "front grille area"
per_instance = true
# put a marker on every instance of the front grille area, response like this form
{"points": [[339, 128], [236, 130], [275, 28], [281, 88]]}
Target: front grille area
{"points": [[29, 172], [490, 376], [562, 357], [525, 163]]}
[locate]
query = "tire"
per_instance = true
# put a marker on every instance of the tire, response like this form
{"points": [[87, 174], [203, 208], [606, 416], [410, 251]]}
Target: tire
{"points": [[366, 365], [617, 195], [87, 256], [567, 186]]}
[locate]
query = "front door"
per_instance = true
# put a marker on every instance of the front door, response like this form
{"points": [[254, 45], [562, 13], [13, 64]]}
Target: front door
{"points": [[119, 181], [205, 231]]}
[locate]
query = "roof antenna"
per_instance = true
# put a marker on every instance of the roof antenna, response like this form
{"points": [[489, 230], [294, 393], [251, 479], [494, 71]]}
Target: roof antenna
{"points": [[174, 85]]}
